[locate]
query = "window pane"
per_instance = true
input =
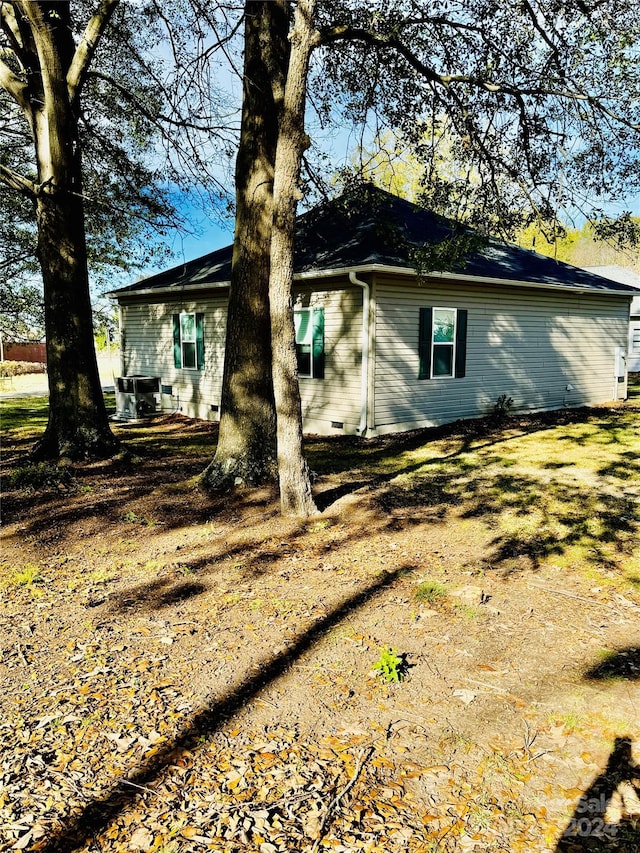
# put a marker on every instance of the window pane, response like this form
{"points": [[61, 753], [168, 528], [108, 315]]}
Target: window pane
{"points": [[188, 327], [303, 351], [302, 321], [188, 354], [442, 360], [443, 325]]}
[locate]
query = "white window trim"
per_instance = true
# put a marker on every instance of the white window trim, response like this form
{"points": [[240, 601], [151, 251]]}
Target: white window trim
{"points": [[182, 314], [298, 312], [435, 343]]}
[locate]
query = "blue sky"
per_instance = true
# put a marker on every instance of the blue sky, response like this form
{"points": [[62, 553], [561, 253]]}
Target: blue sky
{"points": [[211, 236]]}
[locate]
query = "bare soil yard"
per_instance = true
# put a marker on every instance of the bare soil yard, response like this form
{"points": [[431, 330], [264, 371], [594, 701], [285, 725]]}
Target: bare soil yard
{"points": [[185, 672]]}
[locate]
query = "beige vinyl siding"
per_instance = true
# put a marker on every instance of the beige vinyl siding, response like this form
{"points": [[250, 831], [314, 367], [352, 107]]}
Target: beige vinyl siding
{"points": [[147, 348], [528, 344], [336, 398], [633, 358]]}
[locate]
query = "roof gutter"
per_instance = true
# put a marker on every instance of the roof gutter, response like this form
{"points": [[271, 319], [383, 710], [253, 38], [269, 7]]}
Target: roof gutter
{"points": [[364, 381]]}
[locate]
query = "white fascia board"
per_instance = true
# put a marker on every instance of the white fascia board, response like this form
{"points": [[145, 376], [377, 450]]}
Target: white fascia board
{"points": [[169, 289]]}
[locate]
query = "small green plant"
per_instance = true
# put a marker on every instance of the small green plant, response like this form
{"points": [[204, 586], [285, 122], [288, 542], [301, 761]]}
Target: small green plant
{"points": [[133, 518], [390, 666], [102, 575], [41, 476], [27, 576], [570, 720], [502, 406], [430, 591], [467, 610]]}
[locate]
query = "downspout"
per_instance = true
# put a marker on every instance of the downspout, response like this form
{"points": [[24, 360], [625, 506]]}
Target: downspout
{"points": [[364, 390]]}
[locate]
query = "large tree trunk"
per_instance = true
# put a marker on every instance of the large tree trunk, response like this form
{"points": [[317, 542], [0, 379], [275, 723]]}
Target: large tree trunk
{"points": [[78, 425], [295, 484], [246, 451]]}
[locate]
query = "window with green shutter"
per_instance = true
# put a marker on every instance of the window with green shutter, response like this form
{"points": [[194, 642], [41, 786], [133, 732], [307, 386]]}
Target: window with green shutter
{"points": [[309, 326], [188, 340], [442, 343]]}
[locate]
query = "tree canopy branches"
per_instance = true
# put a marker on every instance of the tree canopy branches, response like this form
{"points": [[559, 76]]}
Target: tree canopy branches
{"points": [[540, 100], [151, 124]]}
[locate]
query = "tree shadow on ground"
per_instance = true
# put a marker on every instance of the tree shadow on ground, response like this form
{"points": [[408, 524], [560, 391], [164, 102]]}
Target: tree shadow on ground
{"points": [[99, 813], [189, 576], [333, 454], [622, 664], [567, 514], [607, 817]]}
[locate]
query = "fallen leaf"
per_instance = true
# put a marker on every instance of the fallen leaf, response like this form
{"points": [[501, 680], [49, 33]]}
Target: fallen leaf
{"points": [[466, 696], [141, 840]]}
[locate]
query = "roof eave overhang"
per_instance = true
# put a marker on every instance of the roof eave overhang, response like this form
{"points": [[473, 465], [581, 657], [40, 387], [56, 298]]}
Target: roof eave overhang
{"points": [[168, 289], [364, 269], [476, 279]]}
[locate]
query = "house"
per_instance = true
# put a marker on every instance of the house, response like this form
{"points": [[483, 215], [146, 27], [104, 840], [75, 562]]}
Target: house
{"points": [[382, 348], [627, 276]]}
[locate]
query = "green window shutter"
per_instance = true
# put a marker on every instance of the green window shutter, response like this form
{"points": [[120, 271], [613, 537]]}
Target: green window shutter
{"points": [[318, 343], [461, 343], [200, 340], [424, 343], [177, 350]]}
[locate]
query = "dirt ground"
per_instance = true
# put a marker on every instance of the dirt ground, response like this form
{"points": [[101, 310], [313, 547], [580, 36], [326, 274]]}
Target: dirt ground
{"points": [[183, 672]]}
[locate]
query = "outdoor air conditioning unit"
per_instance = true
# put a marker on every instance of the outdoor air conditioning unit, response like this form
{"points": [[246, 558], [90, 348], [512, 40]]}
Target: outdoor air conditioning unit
{"points": [[137, 397]]}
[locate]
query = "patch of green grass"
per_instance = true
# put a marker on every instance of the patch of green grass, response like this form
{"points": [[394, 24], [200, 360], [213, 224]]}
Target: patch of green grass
{"points": [[458, 741], [24, 418], [570, 720], [430, 591], [318, 526], [466, 610], [29, 575], [41, 476], [102, 575], [131, 517]]}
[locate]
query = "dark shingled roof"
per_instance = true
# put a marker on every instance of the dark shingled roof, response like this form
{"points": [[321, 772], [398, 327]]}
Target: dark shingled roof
{"points": [[377, 228]]}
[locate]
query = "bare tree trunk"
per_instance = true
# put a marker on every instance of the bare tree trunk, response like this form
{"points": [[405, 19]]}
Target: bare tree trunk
{"points": [[78, 425], [246, 450], [293, 471]]}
